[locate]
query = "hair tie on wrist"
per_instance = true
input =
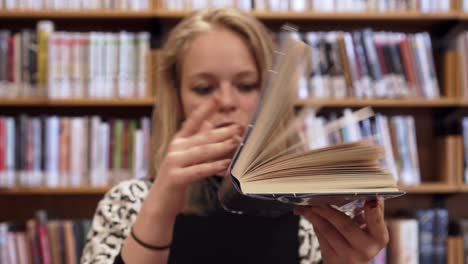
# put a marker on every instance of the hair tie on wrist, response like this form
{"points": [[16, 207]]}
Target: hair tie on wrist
{"points": [[148, 246]]}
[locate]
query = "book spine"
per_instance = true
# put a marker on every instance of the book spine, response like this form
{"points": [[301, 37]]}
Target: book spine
{"points": [[3, 140], [413, 148], [44, 29], [37, 151], [131, 146], [142, 46], [372, 61], [426, 222], [3, 243], [465, 147], [11, 141], [138, 155], [43, 236], [118, 147], [52, 151], [76, 155], [104, 135], [362, 66], [440, 236], [70, 248], [94, 152]]}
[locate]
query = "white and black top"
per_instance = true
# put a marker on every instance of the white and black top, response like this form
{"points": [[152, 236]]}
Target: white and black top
{"points": [[219, 237]]}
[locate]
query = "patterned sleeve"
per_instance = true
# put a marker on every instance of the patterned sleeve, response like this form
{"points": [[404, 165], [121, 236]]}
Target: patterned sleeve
{"points": [[111, 224], [309, 248]]}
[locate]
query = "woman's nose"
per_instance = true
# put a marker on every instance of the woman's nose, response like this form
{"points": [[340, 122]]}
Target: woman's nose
{"points": [[226, 98]]}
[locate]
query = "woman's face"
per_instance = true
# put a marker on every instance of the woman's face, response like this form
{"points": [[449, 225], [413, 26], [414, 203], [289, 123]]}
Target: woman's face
{"points": [[218, 65]]}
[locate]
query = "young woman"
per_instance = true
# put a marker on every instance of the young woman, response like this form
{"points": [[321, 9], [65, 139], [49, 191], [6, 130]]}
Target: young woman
{"points": [[213, 65]]}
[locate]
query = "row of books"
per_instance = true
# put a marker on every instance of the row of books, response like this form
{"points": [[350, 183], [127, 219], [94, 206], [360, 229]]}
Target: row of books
{"points": [[57, 151], [316, 5], [72, 64], [43, 241], [421, 238], [361, 64], [397, 134], [74, 5], [368, 64]]}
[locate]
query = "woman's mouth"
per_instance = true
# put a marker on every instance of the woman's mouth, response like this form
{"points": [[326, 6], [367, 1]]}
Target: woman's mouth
{"points": [[224, 124]]}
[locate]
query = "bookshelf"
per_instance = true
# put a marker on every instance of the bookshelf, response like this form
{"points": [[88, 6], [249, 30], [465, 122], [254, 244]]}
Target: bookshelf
{"points": [[157, 13], [65, 202]]}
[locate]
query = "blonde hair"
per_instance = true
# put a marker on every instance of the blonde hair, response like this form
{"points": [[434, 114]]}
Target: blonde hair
{"points": [[168, 115]]}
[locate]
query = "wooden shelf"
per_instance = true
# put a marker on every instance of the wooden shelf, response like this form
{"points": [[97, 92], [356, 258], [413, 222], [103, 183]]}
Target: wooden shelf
{"points": [[54, 191], [77, 102], [463, 188], [392, 16], [463, 102], [463, 16], [166, 14], [443, 102], [361, 16], [428, 188], [73, 14]]}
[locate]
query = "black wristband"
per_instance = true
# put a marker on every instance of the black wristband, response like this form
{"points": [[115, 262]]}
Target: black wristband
{"points": [[148, 246]]}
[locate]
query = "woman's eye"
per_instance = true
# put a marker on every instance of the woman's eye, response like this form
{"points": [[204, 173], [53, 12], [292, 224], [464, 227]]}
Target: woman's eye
{"points": [[247, 87], [203, 90]]}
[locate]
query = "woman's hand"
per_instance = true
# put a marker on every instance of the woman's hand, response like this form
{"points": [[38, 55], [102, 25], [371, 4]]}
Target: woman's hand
{"points": [[197, 151], [342, 239]]}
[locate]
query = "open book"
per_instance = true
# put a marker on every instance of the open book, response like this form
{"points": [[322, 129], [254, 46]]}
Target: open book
{"points": [[273, 169]]}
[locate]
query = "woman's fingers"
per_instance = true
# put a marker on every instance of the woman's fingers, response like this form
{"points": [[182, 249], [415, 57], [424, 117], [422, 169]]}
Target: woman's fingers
{"points": [[195, 121], [208, 137], [363, 244], [206, 126], [375, 222], [182, 176], [326, 248], [345, 225], [204, 153], [360, 218]]}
